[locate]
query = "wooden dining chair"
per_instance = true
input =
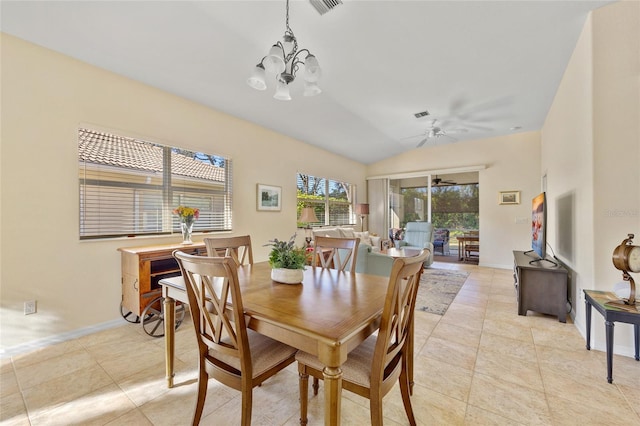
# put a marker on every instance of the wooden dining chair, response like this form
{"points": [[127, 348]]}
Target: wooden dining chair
{"points": [[472, 248], [227, 351], [239, 248], [373, 367], [336, 253]]}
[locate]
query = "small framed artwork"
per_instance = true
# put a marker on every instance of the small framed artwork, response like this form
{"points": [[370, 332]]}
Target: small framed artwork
{"points": [[509, 197], [269, 198]]}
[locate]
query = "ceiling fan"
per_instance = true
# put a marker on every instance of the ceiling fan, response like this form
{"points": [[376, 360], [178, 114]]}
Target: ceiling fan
{"points": [[441, 182], [437, 131]]}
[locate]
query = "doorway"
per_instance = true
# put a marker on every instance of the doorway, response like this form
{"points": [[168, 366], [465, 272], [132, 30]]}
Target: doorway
{"points": [[449, 201]]}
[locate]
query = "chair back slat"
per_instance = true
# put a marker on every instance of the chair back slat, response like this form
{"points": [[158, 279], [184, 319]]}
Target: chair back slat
{"points": [[336, 253], [238, 248]]}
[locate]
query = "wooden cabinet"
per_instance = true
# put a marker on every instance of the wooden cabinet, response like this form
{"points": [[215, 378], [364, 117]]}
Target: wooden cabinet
{"points": [[143, 267], [541, 286]]}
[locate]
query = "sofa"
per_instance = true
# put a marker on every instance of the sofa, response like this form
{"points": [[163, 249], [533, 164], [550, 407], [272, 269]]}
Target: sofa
{"points": [[368, 260], [418, 235]]}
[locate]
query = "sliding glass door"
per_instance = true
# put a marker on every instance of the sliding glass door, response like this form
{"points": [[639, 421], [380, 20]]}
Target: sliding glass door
{"points": [[448, 201]]}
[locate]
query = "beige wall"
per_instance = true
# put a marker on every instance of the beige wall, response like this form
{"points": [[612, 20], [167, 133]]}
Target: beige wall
{"points": [[512, 163], [591, 153], [45, 97]]}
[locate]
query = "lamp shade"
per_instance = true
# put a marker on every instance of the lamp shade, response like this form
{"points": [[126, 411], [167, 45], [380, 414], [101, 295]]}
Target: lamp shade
{"points": [[282, 91], [312, 69], [274, 61], [257, 79], [362, 209], [308, 215]]}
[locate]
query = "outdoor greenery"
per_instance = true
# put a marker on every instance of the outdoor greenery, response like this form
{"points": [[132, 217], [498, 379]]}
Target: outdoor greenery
{"points": [[323, 194], [453, 207]]}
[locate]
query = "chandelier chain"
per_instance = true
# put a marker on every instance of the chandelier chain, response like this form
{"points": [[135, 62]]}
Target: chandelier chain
{"points": [[289, 32]]}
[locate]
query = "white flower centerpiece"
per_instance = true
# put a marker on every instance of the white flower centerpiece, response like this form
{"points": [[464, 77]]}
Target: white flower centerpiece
{"points": [[287, 261]]}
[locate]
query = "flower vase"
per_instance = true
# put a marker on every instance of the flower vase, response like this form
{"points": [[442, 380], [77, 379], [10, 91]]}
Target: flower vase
{"points": [[287, 276], [187, 229]]}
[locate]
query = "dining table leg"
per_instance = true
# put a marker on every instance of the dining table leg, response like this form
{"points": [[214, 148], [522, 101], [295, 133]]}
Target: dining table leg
{"points": [[332, 395], [169, 336]]}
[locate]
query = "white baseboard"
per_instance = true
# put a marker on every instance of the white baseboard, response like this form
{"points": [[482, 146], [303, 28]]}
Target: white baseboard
{"points": [[58, 338]]}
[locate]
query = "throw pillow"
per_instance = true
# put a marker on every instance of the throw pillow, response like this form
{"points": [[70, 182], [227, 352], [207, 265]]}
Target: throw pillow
{"points": [[364, 237], [347, 232]]}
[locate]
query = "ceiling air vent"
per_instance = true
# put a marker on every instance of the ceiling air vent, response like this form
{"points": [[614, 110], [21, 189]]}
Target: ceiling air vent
{"points": [[421, 114], [323, 6]]}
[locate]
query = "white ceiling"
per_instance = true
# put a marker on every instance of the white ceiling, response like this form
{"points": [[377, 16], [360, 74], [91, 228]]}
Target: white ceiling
{"points": [[486, 66]]}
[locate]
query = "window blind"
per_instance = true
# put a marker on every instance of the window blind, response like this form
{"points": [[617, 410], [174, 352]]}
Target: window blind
{"points": [[130, 187]]}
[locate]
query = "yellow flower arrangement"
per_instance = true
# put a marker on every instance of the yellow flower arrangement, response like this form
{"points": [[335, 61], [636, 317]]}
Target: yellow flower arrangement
{"points": [[187, 213]]}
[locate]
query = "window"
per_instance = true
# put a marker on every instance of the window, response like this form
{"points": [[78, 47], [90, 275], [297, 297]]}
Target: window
{"points": [[131, 187], [332, 200]]}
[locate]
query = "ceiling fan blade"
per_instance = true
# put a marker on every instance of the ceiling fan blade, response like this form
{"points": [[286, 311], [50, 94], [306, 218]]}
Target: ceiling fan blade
{"points": [[466, 111], [411, 137], [477, 127], [454, 131], [421, 142]]}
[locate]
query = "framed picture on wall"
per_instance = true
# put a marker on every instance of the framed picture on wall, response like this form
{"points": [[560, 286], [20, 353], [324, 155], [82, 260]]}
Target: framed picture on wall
{"points": [[509, 197], [269, 197]]}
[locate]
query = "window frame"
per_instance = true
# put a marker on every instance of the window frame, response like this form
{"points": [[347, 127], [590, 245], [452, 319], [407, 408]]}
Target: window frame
{"points": [[322, 187], [130, 187]]}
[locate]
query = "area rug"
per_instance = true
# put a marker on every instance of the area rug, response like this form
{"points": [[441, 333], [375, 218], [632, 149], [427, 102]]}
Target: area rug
{"points": [[438, 288]]}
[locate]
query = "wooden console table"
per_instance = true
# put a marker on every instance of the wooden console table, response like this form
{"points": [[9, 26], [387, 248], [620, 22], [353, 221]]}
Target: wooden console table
{"points": [[143, 267], [541, 286], [611, 314]]}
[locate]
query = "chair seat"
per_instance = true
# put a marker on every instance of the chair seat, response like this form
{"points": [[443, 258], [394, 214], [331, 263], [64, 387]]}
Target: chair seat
{"points": [[265, 353], [357, 369]]}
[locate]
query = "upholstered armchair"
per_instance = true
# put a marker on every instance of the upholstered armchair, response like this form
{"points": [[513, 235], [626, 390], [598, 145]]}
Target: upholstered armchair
{"points": [[441, 241], [419, 235], [372, 262]]}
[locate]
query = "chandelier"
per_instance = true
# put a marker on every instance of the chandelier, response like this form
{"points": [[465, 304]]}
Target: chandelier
{"points": [[283, 60]]}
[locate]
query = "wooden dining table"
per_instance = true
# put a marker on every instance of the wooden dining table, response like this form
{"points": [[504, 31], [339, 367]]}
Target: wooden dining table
{"points": [[328, 315], [463, 240]]}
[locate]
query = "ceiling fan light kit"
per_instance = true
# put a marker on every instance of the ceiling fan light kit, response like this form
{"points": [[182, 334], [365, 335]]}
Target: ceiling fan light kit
{"points": [[436, 131], [284, 60]]}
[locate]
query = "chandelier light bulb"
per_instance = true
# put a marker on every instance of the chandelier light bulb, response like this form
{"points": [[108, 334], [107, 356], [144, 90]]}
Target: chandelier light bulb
{"points": [[257, 79]]}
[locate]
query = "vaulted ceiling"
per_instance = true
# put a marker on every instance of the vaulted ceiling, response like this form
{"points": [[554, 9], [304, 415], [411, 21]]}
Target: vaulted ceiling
{"points": [[480, 68]]}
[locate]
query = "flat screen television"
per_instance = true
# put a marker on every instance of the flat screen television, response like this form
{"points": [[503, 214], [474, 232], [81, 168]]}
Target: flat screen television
{"points": [[539, 225]]}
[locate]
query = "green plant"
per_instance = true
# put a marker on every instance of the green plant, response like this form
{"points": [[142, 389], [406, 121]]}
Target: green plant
{"points": [[286, 255]]}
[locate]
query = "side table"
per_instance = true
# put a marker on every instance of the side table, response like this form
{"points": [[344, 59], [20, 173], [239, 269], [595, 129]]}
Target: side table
{"points": [[611, 314]]}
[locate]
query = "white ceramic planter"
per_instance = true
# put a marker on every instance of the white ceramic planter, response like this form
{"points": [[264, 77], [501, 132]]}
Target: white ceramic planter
{"points": [[287, 276]]}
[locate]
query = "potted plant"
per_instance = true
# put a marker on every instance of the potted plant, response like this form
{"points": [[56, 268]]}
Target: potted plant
{"points": [[287, 261]]}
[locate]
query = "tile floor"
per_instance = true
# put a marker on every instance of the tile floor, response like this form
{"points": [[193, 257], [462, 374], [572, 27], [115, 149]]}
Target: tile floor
{"points": [[479, 364]]}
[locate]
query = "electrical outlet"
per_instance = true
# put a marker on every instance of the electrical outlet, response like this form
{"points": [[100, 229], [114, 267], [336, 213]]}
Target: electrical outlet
{"points": [[29, 307]]}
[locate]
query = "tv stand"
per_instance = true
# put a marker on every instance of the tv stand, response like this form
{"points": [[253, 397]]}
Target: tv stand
{"points": [[531, 262], [540, 287]]}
